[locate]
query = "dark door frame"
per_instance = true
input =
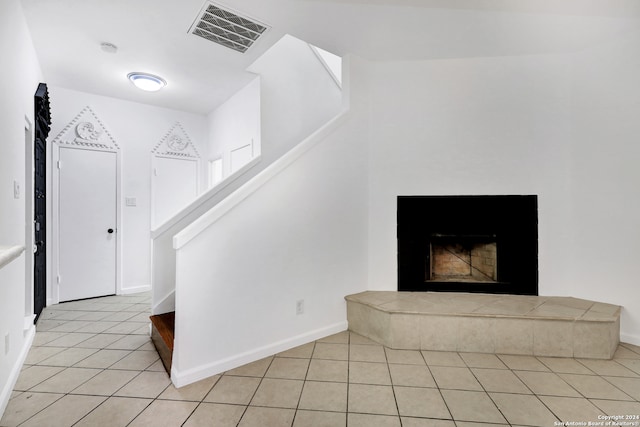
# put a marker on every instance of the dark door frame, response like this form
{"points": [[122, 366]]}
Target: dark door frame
{"points": [[42, 116]]}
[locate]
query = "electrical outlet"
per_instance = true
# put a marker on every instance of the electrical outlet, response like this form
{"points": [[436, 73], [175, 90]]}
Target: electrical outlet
{"points": [[130, 201], [300, 307]]}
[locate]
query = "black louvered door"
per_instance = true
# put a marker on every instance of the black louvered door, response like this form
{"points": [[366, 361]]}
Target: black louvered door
{"points": [[42, 127]]}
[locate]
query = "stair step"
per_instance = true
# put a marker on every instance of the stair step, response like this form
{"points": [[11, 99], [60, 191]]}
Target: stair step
{"points": [[163, 327]]}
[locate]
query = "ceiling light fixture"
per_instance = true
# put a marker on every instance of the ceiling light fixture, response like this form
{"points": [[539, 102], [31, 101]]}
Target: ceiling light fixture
{"points": [[147, 82]]}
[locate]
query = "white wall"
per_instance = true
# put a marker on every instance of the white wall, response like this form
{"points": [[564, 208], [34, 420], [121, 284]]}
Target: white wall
{"points": [[137, 129], [476, 126], [19, 77], [292, 96], [555, 125], [510, 125], [235, 124], [297, 95], [605, 172]]}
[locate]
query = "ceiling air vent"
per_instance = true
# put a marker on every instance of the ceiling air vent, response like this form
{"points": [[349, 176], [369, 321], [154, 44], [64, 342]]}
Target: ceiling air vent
{"points": [[227, 28]]}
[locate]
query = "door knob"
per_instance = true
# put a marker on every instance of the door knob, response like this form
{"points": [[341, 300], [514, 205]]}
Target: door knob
{"points": [[110, 231]]}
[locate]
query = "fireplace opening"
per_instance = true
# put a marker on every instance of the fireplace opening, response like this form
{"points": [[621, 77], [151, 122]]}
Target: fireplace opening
{"points": [[468, 244], [463, 258]]}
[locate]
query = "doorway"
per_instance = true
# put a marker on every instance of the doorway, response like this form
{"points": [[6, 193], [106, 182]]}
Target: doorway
{"points": [[87, 223]]}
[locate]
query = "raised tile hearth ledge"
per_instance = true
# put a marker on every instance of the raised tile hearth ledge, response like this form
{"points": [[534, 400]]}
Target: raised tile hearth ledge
{"points": [[9, 253], [505, 324]]}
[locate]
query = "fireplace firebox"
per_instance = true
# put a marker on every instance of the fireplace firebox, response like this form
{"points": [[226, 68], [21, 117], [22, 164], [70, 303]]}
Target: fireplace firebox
{"points": [[483, 244]]}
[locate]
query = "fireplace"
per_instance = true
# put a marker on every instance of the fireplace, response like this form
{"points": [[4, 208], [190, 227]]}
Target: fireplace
{"points": [[483, 244]]}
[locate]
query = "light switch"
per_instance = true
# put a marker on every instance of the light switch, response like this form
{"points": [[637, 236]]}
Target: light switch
{"points": [[130, 201], [16, 190]]}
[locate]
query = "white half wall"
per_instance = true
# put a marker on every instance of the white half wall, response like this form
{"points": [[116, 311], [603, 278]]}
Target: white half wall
{"points": [[19, 77], [137, 129], [301, 236]]}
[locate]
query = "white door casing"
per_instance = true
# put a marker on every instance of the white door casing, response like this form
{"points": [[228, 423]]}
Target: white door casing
{"points": [[86, 182], [216, 172], [88, 223]]}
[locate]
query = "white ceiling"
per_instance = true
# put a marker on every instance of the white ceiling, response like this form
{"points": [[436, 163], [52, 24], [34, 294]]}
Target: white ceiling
{"points": [[152, 36]]}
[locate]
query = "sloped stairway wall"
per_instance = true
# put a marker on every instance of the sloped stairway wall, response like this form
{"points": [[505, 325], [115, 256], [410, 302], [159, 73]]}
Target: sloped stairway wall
{"points": [[295, 232], [297, 96]]}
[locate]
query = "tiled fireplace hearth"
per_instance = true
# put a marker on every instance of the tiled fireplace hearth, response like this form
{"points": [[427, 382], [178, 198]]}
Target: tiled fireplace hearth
{"points": [[487, 323]]}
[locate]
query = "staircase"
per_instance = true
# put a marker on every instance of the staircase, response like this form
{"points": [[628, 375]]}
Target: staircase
{"points": [[162, 333], [199, 256]]}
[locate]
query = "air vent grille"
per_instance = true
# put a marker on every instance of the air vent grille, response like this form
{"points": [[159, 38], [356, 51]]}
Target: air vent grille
{"points": [[227, 28]]}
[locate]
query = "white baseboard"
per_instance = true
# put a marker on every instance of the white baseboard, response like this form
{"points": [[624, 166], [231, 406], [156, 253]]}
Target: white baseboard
{"points": [[5, 394], [181, 379], [28, 323], [135, 290], [167, 304], [630, 338]]}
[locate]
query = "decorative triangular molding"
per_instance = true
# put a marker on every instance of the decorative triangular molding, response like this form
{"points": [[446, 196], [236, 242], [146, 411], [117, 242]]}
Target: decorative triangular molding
{"points": [[86, 130], [176, 143]]}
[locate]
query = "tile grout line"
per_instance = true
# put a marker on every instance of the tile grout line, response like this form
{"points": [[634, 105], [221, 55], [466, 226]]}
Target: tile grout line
{"points": [[255, 391], [131, 397], [523, 383], [346, 413], [438, 386], [304, 383], [393, 389], [594, 373]]}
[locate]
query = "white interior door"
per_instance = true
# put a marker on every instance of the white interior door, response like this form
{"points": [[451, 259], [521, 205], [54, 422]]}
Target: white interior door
{"points": [[175, 185], [87, 223]]}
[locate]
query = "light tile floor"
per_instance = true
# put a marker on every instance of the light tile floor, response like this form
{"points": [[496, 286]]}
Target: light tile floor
{"points": [[92, 364]]}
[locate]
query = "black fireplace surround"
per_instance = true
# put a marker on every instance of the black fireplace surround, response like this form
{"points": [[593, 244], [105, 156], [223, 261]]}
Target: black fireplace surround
{"points": [[510, 221]]}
